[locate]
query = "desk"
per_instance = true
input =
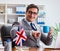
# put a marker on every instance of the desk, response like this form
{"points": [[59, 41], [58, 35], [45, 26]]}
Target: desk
{"points": [[29, 49], [52, 49], [37, 49]]}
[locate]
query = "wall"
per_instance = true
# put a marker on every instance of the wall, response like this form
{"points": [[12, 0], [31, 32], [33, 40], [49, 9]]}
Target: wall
{"points": [[53, 12], [52, 8]]}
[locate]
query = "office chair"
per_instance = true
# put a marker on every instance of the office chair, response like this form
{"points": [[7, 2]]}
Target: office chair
{"points": [[5, 33]]}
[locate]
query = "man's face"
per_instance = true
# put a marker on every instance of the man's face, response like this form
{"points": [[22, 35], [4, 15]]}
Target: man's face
{"points": [[31, 14]]}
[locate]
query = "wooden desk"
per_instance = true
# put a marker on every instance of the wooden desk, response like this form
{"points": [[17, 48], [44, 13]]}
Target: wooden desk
{"points": [[28, 49], [37, 49], [52, 49]]}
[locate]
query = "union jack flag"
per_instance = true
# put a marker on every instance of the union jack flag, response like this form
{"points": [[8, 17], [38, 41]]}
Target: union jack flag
{"points": [[20, 35]]}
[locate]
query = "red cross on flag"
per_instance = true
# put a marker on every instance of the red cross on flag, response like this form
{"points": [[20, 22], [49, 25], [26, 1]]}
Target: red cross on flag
{"points": [[20, 36]]}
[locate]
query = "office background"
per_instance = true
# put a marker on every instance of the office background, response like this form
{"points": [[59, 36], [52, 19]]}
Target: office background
{"points": [[52, 8]]}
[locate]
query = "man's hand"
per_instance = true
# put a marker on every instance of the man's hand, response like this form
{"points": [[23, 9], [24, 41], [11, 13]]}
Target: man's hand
{"points": [[51, 31], [36, 34]]}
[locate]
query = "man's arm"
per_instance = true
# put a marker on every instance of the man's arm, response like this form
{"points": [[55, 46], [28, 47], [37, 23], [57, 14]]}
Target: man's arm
{"points": [[13, 31], [46, 40]]}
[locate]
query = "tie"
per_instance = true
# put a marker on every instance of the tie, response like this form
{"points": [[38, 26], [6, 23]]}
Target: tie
{"points": [[33, 26], [35, 29]]}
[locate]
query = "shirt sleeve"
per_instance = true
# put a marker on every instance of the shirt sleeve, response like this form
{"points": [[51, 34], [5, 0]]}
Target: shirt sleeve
{"points": [[13, 31]]}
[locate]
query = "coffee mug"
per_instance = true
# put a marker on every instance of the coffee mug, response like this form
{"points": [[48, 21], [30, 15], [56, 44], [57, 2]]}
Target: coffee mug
{"points": [[46, 29]]}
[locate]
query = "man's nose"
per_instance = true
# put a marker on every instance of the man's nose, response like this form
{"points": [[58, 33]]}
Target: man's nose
{"points": [[32, 14]]}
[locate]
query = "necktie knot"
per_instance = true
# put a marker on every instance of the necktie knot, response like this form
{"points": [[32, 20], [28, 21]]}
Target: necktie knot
{"points": [[33, 26]]}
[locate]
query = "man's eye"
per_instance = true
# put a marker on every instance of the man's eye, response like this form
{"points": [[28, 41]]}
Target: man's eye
{"points": [[30, 12]]}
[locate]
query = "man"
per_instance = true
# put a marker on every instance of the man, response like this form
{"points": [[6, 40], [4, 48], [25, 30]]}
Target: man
{"points": [[33, 33]]}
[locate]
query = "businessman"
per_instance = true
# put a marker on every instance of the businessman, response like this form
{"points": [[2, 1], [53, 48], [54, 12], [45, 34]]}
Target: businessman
{"points": [[32, 29]]}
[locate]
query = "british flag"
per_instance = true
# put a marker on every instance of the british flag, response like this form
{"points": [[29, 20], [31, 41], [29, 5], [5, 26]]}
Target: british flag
{"points": [[20, 35]]}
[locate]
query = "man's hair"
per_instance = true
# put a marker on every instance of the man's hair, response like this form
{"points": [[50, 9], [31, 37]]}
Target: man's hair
{"points": [[32, 6]]}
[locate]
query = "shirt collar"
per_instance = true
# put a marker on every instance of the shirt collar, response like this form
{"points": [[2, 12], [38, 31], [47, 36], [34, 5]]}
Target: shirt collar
{"points": [[27, 21]]}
